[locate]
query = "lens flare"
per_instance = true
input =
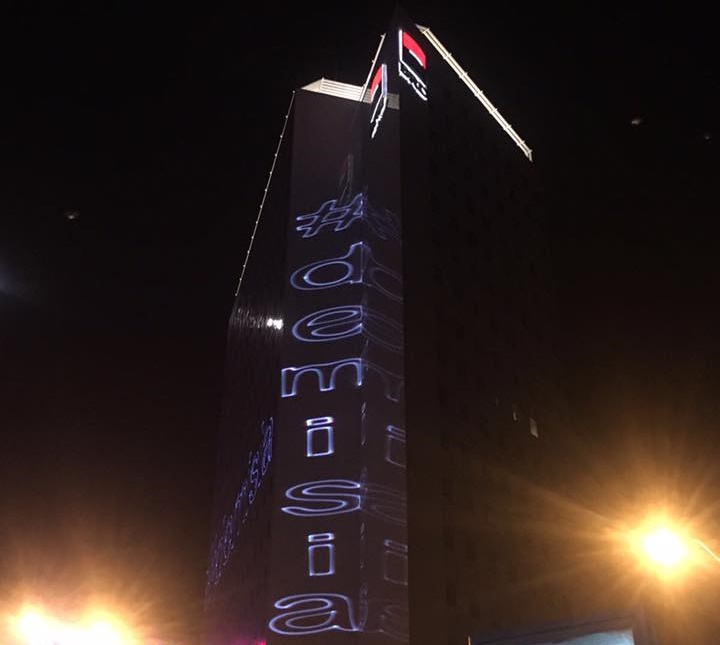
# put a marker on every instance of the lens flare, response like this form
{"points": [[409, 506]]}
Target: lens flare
{"points": [[34, 628], [665, 548], [103, 633]]}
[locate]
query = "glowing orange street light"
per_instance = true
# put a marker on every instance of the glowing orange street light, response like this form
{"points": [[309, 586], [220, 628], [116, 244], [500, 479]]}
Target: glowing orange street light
{"points": [[34, 628], [669, 550], [665, 548]]}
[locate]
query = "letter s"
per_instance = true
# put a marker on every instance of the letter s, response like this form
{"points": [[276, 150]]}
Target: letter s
{"points": [[324, 497]]}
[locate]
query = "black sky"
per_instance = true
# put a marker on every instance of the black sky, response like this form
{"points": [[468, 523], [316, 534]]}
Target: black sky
{"points": [[157, 123]]}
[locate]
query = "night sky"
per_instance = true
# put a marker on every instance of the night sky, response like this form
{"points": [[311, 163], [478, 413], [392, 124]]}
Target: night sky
{"points": [[157, 124]]}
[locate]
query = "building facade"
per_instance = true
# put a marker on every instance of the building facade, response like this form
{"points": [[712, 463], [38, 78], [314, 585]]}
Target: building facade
{"points": [[389, 441]]}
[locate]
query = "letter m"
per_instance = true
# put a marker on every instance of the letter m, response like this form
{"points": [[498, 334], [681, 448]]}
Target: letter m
{"points": [[326, 375]]}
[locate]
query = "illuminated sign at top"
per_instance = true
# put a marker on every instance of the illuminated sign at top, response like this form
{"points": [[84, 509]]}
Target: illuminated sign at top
{"points": [[412, 64], [410, 44], [378, 97]]}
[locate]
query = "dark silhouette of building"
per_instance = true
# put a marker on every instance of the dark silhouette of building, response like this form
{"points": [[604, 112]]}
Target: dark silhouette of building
{"points": [[392, 462]]}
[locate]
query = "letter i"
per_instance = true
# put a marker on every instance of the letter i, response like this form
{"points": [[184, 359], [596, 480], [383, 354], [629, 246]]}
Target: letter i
{"points": [[321, 554], [320, 437]]}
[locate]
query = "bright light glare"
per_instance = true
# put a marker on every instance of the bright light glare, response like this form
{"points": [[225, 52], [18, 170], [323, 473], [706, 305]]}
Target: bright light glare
{"points": [[665, 548], [103, 633], [275, 323], [35, 629]]}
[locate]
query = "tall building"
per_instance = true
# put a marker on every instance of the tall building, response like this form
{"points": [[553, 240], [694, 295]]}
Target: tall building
{"points": [[389, 430]]}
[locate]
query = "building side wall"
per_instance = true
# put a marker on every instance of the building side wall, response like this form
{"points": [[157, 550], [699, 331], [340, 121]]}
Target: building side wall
{"points": [[483, 405], [238, 573], [484, 534]]}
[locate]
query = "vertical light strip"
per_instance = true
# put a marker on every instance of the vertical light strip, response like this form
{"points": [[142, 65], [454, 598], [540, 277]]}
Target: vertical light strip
{"points": [[265, 192], [372, 67], [477, 92]]}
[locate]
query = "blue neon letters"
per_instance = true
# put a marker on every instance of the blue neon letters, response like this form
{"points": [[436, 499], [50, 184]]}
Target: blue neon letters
{"points": [[334, 216], [321, 554], [224, 544], [395, 446], [327, 375], [309, 613], [324, 498], [348, 437], [334, 323], [320, 441], [333, 272], [357, 266]]}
